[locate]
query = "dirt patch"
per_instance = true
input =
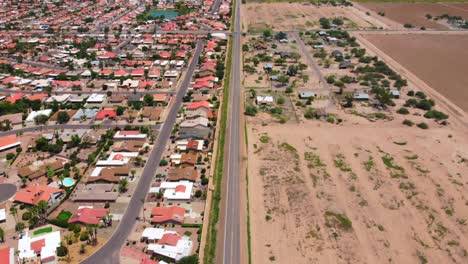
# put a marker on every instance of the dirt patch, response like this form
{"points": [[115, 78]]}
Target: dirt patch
{"points": [[299, 16], [350, 194], [415, 13], [432, 58]]}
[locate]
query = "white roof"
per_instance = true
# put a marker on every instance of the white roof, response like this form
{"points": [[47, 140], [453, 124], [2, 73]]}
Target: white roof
{"points": [[33, 114], [2, 214], [182, 249], [265, 99], [170, 192], [59, 98], [154, 233], [122, 135], [96, 98], [51, 242], [117, 159]]}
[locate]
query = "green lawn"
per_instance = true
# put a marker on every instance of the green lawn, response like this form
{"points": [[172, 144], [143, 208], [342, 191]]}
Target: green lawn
{"points": [[43, 230], [64, 216]]}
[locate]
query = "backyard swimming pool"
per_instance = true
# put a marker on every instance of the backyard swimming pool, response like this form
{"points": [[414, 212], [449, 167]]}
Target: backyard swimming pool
{"points": [[67, 182]]}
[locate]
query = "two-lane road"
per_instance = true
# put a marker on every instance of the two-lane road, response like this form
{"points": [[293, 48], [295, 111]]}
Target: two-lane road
{"points": [[231, 225], [109, 253]]}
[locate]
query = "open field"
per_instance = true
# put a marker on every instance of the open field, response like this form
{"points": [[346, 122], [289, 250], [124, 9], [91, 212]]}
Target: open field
{"points": [[432, 59], [367, 193], [298, 16], [415, 13]]}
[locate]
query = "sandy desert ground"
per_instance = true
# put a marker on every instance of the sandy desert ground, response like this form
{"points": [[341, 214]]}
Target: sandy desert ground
{"points": [[402, 189], [297, 16], [415, 13], [439, 60]]}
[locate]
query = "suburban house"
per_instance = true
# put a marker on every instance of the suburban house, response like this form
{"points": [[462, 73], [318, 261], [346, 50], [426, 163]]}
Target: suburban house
{"points": [[129, 134], [9, 142], [33, 172], [7, 255], [172, 245], [187, 174], [108, 174], [44, 246], [167, 215], [195, 128], [88, 216], [177, 191], [33, 194]]}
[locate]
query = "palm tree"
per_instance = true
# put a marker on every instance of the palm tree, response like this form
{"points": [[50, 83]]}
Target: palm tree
{"points": [[24, 180], [50, 173], [14, 213], [133, 173], [61, 177], [123, 185], [2, 235], [42, 209], [92, 231]]}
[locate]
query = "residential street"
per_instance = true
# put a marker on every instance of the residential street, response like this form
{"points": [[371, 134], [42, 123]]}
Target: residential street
{"points": [[109, 253]]}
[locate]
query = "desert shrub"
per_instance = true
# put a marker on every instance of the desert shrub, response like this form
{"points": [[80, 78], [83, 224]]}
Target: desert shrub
{"points": [[423, 125], [403, 111], [309, 113], [26, 216], [250, 110], [62, 251], [434, 114], [408, 122], [84, 236]]}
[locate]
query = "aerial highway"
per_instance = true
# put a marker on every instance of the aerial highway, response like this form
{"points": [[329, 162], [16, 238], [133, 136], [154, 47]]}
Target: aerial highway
{"points": [[109, 253], [231, 226]]}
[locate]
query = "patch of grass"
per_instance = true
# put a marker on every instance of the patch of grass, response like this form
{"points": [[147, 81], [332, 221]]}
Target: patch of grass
{"points": [[64, 216], [341, 220], [413, 157], [407, 186], [187, 233], [264, 139], [388, 161], [340, 163], [288, 147], [43, 230], [314, 160], [369, 164]]}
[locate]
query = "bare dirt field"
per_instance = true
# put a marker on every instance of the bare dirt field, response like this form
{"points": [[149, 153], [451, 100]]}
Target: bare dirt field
{"points": [[415, 13], [366, 193], [297, 16], [439, 60]]}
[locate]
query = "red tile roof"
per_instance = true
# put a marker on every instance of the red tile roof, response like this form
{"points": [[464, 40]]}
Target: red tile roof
{"points": [[165, 214], [36, 246], [5, 255], [170, 239], [33, 194], [8, 141], [106, 113], [196, 105], [39, 96], [15, 97], [90, 216]]}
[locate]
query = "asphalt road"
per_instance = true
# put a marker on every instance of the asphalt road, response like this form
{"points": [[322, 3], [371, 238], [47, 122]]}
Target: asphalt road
{"points": [[109, 253], [69, 126], [231, 244], [215, 7]]}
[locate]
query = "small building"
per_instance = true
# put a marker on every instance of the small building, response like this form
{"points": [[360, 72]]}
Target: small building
{"points": [[264, 100], [35, 114], [346, 65], [33, 194], [361, 96], [306, 95], [268, 67], [9, 142], [129, 134]]}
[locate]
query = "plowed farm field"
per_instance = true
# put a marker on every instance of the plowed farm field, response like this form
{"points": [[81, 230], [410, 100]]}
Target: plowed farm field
{"points": [[439, 60], [415, 13]]}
